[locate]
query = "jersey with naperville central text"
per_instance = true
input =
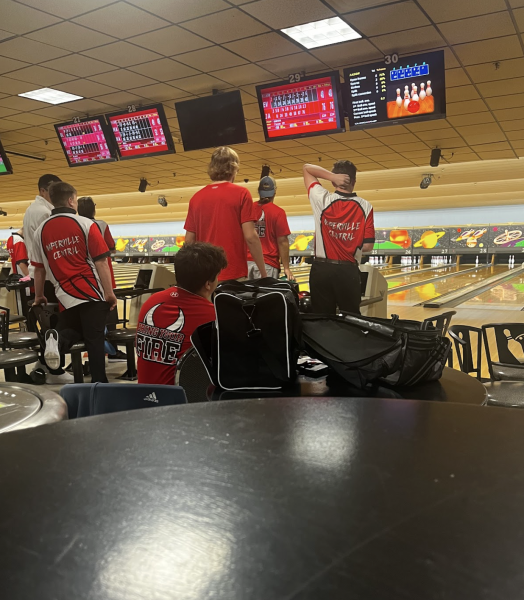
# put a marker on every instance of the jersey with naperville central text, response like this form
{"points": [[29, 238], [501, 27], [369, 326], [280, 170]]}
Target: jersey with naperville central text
{"points": [[67, 247], [215, 215], [165, 325], [17, 252], [343, 223], [271, 224]]}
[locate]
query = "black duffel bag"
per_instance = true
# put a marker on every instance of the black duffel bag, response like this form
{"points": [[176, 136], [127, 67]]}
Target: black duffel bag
{"points": [[254, 343]]}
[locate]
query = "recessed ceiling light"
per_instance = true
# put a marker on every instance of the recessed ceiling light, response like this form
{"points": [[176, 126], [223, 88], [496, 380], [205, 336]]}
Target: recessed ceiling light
{"points": [[322, 33], [50, 96]]}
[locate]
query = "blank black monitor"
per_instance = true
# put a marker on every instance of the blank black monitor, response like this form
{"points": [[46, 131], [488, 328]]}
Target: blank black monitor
{"points": [[212, 121]]}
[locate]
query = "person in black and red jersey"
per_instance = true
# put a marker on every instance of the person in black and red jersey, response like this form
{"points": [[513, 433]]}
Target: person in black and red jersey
{"points": [[272, 228], [168, 318], [18, 253], [71, 250], [343, 229], [223, 214]]}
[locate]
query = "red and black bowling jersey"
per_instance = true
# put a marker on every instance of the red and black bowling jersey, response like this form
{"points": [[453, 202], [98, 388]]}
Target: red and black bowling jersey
{"points": [[67, 246], [166, 323], [343, 223], [108, 239], [17, 252]]}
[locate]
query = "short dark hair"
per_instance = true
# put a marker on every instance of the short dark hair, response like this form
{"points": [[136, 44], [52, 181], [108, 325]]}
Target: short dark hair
{"points": [[60, 192], [45, 180], [86, 207], [196, 264], [346, 167]]}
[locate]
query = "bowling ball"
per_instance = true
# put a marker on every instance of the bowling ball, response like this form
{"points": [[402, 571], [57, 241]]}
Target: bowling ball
{"points": [[303, 294], [38, 376], [400, 237], [413, 107], [305, 304]]}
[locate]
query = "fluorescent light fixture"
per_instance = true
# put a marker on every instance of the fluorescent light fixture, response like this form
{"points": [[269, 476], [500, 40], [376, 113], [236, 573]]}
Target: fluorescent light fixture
{"points": [[322, 33], [50, 96]]}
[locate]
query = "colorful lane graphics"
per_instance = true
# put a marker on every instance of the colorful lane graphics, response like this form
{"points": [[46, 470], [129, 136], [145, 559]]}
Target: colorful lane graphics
{"points": [[3, 168], [507, 236], [165, 244], [303, 241], [398, 240], [473, 238], [132, 245], [436, 238]]}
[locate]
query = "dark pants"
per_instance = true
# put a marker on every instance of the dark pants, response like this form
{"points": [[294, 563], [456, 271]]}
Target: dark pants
{"points": [[86, 322], [335, 286]]}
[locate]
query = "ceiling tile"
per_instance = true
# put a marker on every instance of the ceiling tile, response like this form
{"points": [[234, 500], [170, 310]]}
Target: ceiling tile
{"points": [[278, 14], [41, 76], [5, 34], [519, 17], [29, 50], [517, 125], [170, 41], [516, 3], [261, 47], [302, 61], [243, 75], [348, 53], [211, 59], [509, 114], [507, 69], [66, 10], [23, 104], [387, 19], [164, 69], [461, 108], [9, 64], [449, 10], [20, 19], [31, 119], [86, 88], [478, 28], [199, 84], [344, 6], [70, 36], [502, 88], [504, 101], [482, 134], [456, 77], [177, 11], [121, 20], [471, 119], [422, 38], [123, 79], [160, 92], [14, 87], [486, 50], [458, 94], [120, 99], [76, 64], [122, 54], [226, 26]]}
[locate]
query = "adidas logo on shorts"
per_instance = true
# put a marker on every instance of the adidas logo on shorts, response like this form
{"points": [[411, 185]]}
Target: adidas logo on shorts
{"points": [[151, 398]]}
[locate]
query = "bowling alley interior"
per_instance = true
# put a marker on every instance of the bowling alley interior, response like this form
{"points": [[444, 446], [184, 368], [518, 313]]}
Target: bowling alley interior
{"points": [[128, 101]]}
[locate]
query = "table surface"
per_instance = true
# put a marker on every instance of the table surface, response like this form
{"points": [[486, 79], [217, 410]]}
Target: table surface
{"points": [[304, 499], [22, 407]]}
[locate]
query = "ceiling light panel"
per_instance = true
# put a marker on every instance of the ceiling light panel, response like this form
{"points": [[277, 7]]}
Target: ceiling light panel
{"points": [[50, 96], [322, 33]]}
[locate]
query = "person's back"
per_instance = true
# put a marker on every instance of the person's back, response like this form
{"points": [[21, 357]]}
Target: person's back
{"points": [[168, 318], [223, 214]]}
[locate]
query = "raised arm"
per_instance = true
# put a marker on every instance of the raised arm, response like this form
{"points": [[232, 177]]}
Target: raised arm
{"points": [[312, 173]]}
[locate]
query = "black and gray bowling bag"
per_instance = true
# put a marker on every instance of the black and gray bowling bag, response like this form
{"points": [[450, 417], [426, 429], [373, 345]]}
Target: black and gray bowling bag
{"points": [[255, 341], [363, 350]]}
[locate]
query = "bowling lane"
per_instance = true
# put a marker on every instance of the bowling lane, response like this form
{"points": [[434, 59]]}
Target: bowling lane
{"points": [[407, 278], [428, 291], [503, 296]]}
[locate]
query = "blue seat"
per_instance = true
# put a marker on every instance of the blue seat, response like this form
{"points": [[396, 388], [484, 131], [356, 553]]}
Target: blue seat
{"points": [[89, 399]]}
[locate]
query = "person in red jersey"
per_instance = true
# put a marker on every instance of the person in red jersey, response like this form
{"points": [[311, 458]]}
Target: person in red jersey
{"points": [[343, 229], [18, 253], [223, 214], [168, 318], [71, 250], [272, 228]]}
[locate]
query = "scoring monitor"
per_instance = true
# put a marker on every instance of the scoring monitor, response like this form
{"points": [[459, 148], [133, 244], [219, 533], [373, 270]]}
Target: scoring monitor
{"points": [[144, 132], [412, 90], [5, 163], [86, 142], [307, 108]]}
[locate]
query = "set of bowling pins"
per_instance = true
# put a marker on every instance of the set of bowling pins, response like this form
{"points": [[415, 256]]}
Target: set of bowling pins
{"points": [[436, 261], [377, 260], [511, 261], [415, 96], [406, 261]]}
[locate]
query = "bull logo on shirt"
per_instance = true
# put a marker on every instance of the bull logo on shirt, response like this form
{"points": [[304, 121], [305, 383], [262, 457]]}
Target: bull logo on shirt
{"points": [[260, 226], [157, 342]]}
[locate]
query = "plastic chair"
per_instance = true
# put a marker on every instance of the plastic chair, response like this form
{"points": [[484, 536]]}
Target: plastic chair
{"points": [[506, 340], [15, 339], [440, 322], [89, 399], [192, 375]]}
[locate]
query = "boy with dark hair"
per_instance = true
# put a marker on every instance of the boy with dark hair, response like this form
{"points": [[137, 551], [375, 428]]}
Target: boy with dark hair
{"points": [[343, 229], [168, 318], [71, 250]]}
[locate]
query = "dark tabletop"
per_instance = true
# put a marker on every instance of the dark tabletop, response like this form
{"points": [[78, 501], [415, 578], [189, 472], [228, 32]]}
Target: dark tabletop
{"points": [[272, 499]]}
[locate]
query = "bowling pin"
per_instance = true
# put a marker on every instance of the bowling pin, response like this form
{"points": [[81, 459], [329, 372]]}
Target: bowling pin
{"points": [[406, 99], [399, 99], [429, 91], [415, 94], [422, 94], [477, 261], [412, 89]]}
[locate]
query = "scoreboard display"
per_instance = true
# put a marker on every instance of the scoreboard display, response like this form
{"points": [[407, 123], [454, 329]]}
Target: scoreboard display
{"points": [[144, 132], [307, 108], [85, 142]]}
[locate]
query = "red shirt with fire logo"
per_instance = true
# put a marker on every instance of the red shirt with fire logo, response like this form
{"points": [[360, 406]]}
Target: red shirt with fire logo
{"points": [[165, 325]]}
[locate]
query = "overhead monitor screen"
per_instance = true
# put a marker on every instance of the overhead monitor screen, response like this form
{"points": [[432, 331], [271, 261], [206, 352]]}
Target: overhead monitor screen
{"points": [[412, 90], [5, 163], [86, 142], [212, 121], [309, 107], [144, 132]]}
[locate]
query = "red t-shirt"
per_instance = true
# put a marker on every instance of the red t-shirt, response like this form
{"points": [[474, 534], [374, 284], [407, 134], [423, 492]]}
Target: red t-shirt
{"points": [[165, 325], [216, 214], [108, 239], [271, 224], [17, 252]]}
